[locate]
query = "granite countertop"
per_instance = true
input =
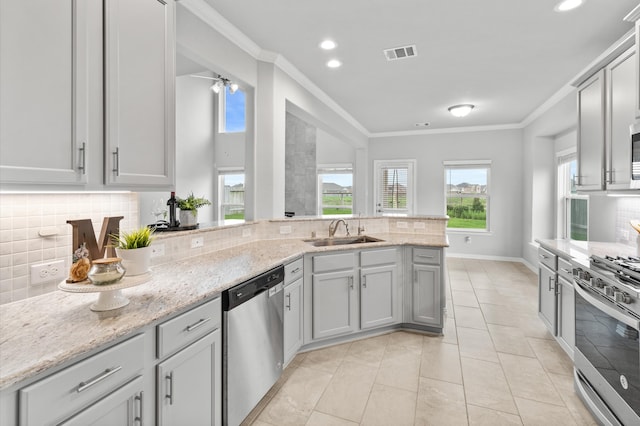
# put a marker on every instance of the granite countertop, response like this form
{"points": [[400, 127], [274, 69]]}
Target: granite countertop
{"points": [[46, 331], [580, 251]]}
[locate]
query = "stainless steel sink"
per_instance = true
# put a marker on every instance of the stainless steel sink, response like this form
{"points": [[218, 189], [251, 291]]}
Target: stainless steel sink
{"points": [[342, 241]]}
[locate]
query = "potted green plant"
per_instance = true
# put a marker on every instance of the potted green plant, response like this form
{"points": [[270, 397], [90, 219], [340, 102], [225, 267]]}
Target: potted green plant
{"points": [[134, 248], [189, 209]]}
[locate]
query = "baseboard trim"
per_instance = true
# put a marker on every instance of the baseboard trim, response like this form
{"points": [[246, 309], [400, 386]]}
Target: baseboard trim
{"points": [[498, 258]]}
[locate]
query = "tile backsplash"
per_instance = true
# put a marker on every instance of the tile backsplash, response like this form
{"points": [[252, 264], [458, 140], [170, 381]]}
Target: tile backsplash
{"points": [[23, 217], [628, 209]]}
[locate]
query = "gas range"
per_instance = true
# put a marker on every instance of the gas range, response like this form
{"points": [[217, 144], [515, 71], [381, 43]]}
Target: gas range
{"points": [[616, 279]]}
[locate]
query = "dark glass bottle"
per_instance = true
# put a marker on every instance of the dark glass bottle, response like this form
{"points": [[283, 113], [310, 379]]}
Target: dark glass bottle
{"points": [[173, 222]]}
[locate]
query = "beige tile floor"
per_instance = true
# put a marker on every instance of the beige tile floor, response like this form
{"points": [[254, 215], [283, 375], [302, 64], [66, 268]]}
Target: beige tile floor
{"points": [[495, 365]]}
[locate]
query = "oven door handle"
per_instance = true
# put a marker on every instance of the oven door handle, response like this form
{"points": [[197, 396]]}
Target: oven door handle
{"points": [[607, 309]]}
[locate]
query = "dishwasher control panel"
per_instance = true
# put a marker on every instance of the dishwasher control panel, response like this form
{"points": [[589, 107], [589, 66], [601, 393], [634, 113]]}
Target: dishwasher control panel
{"points": [[267, 281]]}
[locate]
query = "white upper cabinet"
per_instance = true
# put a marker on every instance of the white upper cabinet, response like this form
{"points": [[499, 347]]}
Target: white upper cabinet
{"points": [[606, 109], [44, 87], [621, 111], [140, 92]]}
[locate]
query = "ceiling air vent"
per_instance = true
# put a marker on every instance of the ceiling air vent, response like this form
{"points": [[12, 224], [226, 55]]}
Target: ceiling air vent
{"points": [[400, 52]]}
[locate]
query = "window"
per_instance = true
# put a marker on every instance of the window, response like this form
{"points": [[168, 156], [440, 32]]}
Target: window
{"points": [[467, 194], [335, 187], [395, 188], [231, 194], [573, 209], [232, 111]]}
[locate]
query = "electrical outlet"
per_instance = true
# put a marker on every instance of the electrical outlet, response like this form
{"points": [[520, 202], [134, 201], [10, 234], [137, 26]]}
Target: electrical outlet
{"points": [[157, 250], [246, 232], [285, 229], [197, 242], [625, 234], [402, 225], [45, 272]]}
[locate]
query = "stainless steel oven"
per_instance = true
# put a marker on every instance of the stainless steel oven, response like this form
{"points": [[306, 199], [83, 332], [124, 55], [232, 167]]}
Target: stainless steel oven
{"points": [[607, 348]]}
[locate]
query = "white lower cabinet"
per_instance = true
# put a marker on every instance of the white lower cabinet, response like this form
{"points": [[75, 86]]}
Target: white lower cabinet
{"points": [[187, 384], [293, 303], [122, 407], [380, 300], [334, 304], [547, 300], [566, 316], [425, 303]]}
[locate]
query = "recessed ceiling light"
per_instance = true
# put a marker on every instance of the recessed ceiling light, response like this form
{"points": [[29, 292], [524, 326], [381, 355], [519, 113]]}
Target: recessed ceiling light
{"points": [[566, 5], [460, 110], [334, 63], [328, 45]]}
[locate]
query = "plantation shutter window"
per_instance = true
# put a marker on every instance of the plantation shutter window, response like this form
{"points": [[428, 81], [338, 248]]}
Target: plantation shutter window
{"points": [[395, 188]]}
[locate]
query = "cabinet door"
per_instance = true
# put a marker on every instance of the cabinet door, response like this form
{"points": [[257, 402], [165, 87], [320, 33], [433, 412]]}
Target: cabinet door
{"points": [[566, 316], [122, 407], [426, 305], [189, 384], [621, 100], [378, 296], [591, 134], [638, 69], [43, 82], [139, 92], [292, 319], [335, 304], [547, 301]]}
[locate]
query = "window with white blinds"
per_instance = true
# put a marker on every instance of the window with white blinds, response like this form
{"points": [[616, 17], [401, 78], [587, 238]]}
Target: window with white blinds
{"points": [[394, 187], [573, 208]]}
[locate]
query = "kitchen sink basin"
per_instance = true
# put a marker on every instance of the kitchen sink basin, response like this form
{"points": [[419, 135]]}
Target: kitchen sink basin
{"points": [[322, 242]]}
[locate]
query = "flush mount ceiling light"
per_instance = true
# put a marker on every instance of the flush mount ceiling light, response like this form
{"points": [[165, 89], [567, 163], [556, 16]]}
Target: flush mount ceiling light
{"points": [[328, 45], [219, 83], [334, 63], [566, 5], [460, 110]]}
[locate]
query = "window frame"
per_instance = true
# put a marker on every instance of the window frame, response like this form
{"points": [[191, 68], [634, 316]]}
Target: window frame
{"points": [[410, 165], [222, 111], [565, 193], [222, 172], [470, 164], [334, 169]]}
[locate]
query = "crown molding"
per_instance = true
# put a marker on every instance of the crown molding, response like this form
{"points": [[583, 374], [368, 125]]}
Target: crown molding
{"points": [[446, 130], [634, 15], [215, 20]]}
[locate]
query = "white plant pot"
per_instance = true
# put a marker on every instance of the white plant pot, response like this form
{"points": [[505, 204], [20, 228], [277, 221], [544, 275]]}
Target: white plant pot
{"points": [[188, 217], [135, 261]]}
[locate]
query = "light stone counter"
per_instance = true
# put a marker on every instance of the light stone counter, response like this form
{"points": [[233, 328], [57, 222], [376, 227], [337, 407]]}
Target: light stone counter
{"points": [[46, 331], [580, 251]]}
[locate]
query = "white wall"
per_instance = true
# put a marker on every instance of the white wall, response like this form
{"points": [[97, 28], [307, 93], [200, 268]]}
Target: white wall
{"points": [[331, 149], [503, 148]]}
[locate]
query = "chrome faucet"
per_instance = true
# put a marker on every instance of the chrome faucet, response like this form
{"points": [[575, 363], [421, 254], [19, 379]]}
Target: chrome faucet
{"points": [[333, 227]]}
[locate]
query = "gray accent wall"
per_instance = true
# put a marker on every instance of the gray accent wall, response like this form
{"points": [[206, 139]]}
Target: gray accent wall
{"points": [[300, 185]]}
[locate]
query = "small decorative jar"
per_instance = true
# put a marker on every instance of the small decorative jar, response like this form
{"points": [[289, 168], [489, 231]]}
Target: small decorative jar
{"points": [[106, 271]]}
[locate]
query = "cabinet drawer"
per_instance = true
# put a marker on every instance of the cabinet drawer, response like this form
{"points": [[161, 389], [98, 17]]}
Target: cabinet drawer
{"points": [[56, 397], [565, 270], [547, 258], [333, 262], [293, 271], [188, 327], [377, 257], [427, 255]]}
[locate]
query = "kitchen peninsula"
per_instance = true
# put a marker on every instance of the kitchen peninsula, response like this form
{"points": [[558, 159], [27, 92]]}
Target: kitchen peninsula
{"points": [[49, 333]]}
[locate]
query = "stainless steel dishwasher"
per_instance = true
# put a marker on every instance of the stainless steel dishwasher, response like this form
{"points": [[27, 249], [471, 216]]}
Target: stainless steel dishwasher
{"points": [[253, 352]]}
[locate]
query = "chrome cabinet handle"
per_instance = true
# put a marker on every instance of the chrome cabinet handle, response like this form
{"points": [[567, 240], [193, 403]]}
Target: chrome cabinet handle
{"points": [[169, 395], [565, 270], [550, 279], [83, 157], [542, 256], [295, 271], [426, 256], [116, 161], [610, 174], [198, 324], [82, 386], [351, 282], [364, 281], [138, 418], [288, 296]]}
